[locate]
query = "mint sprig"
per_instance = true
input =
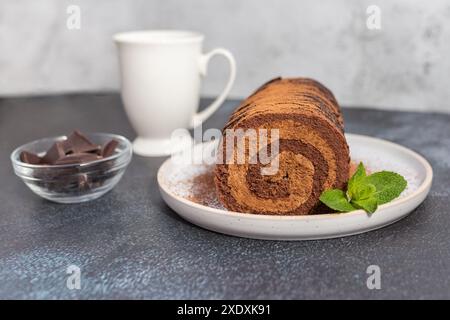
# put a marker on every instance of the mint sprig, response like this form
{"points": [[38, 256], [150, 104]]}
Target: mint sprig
{"points": [[336, 200], [365, 192]]}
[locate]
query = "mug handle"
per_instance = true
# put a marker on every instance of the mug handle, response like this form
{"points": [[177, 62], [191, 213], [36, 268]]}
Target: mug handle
{"points": [[200, 117]]}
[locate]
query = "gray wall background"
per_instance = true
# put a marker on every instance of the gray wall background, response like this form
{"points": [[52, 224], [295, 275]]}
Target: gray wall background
{"points": [[404, 65]]}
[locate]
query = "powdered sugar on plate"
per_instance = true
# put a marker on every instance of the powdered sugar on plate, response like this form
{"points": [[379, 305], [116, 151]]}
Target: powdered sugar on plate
{"points": [[195, 183]]}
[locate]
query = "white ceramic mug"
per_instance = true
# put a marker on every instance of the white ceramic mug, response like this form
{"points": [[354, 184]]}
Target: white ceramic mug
{"points": [[161, 72]]}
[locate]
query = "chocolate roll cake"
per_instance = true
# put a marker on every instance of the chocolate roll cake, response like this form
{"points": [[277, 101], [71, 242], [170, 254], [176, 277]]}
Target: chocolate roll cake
{"points": [[300, 129]]}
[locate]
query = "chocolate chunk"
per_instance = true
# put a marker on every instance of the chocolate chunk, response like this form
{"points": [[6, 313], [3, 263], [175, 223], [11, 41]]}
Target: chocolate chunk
{"points": [[79, 143], [109, 148], [55, 153], [74, 178], [77, 158], [30, 158]]}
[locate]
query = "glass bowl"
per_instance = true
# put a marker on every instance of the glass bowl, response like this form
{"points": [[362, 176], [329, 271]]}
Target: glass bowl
{"points": [[73, 183]]}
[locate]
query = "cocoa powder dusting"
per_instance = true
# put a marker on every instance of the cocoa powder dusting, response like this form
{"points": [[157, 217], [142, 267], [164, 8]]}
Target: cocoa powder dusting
{"points": [[204, 190]]}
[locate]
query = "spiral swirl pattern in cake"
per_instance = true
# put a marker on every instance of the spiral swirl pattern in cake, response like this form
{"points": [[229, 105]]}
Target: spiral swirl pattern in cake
{"points": [[313, 153]]}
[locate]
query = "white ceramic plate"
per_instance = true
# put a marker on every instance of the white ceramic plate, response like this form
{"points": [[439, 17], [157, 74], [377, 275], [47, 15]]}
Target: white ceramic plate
{"points": [[175, 181]]}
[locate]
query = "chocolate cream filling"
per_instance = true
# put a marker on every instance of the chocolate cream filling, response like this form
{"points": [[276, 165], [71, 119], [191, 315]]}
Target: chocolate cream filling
{"points": [[278, 186]]}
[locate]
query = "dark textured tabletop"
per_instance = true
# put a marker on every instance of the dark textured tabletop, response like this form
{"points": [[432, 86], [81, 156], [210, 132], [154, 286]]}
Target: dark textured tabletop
{"points": [[129, 244]]}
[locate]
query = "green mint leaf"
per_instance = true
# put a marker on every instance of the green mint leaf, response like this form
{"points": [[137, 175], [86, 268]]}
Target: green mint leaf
{"points": [[370, 205], [389, 185], [358, 178], [336, 200], [363, 190], [359, 173]]}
